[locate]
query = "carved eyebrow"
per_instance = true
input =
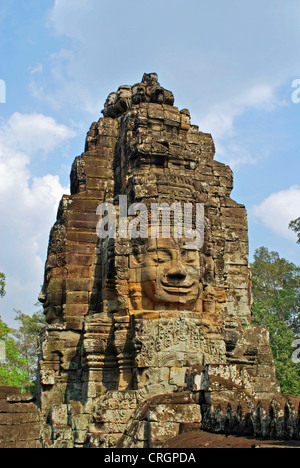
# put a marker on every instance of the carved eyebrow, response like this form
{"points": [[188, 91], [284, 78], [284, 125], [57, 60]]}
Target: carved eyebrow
{"points": [[159, 249], [189, 253], [166, 252], [151, 250]]}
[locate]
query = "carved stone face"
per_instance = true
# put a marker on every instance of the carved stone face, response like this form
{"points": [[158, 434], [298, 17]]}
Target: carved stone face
{"points": [[53, 297], [139, 93], [53, 293], [170, 273], [123, 99], [108, 110]]}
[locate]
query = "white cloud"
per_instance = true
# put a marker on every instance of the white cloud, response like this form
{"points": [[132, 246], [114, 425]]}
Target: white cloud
{"points": [[220, 121], [277, 210], [221, 51], [32, 133], [218, 75], [28, 205], [68, 17], [36, 70]]}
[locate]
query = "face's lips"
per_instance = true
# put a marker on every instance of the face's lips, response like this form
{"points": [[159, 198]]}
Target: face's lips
{"points": [[182, 288], [47, 307]]}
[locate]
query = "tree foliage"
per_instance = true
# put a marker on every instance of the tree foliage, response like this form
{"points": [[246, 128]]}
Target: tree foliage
{"points": [[276, 286], [276, 290], [281, 339], [19, 347], [295, 226], [27, 339], [13, 369], [2, 285]]}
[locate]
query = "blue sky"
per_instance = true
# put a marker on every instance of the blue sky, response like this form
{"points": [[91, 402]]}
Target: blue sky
{"points": [[232, 64]]}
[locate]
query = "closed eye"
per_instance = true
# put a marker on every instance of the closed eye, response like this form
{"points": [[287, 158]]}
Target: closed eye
{"points": [[189, 257], [163, 257]]}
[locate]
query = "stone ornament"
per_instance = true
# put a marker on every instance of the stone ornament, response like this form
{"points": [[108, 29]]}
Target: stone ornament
{"points": [[143, 333]]}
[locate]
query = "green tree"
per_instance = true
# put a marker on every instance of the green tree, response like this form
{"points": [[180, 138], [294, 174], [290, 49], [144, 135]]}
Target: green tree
{"points": [[27, 339], [13, 368], [295, 226], [18, 357], [2, 285], [281, 339], [276, 286], [276, 291]]}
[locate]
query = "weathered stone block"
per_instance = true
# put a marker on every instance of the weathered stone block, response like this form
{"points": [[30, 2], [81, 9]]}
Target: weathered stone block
{"points": [[133, 321], [175, 413], [161, 432]]}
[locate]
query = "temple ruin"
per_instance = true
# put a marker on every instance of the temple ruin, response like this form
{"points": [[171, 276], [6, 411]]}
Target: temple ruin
{"points": [[151, 335]]}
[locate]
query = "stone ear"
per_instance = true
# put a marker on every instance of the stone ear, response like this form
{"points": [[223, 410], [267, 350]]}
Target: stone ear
{"points": [[137, 259], [137, 256], [149, 306]]}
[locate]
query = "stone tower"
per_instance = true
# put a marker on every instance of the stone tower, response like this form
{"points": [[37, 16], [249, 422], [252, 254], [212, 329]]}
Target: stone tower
{"points": [[151, 333]]}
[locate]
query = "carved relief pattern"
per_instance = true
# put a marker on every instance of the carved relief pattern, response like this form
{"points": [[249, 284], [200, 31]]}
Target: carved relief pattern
{"points": [[130, 318], [154, 338]]}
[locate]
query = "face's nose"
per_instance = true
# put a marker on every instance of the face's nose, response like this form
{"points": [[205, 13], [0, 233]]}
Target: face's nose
{"points": [[176, 274], [42, 297]]}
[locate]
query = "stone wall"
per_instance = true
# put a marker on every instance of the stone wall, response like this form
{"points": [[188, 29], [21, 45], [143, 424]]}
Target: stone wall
{"points": [[233, 402], [147, 338], [19, 420], [131, 318]]}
